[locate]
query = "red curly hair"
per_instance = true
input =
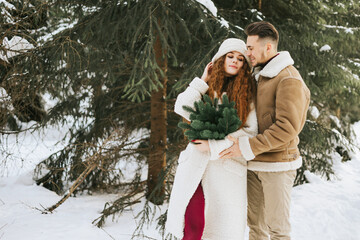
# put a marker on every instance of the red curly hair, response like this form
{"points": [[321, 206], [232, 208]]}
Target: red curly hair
{"points": [[240, 88]]}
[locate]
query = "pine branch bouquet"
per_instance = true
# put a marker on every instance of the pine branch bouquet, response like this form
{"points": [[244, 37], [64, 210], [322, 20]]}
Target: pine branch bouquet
{"points": [[211, 120]]}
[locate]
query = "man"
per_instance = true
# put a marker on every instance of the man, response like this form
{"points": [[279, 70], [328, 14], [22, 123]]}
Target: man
{"points": [[282, 103]]}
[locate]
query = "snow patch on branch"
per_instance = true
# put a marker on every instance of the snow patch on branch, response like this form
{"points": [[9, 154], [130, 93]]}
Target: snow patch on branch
{"points": [[238, 27], [15, 46], [356, 62], [259, 15], [4, 13], [6, 4], [209, 5], [224, 23], [5, 100], [346, 29], [314, 111], [349, 71], [60, 28], [336, 121], [312, 73], [325, 48]]}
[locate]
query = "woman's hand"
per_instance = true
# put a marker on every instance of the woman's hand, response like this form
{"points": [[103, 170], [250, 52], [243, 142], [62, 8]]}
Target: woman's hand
{"points": [[207, 72], [201, 145]]}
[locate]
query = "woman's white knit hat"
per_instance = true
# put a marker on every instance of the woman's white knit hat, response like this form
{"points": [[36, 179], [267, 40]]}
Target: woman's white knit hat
{"points": [[229, 45]]}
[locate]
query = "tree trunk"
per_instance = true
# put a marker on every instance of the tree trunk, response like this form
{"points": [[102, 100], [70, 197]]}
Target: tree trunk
{"points": [[158, 143], [259, 6]]}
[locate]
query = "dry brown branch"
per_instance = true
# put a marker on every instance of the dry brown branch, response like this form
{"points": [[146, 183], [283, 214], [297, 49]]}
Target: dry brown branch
{"points": [[92, 162], [78, 181]]}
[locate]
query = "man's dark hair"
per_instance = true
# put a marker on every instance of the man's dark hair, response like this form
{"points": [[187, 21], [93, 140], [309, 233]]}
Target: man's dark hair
{"points": [[263, 30]]}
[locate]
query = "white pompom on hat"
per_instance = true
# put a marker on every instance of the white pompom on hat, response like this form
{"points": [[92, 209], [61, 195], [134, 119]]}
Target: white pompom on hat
{"points": [[229, 45]]}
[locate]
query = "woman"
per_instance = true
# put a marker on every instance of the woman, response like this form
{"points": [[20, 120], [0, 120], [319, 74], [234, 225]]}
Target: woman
{"points": [[208, 199]]}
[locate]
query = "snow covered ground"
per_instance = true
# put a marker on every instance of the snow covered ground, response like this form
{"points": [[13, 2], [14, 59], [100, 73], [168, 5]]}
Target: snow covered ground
{"points": [[321, 210]]}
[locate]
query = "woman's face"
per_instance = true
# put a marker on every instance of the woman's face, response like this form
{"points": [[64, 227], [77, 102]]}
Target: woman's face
{"points": [[233, 63]]}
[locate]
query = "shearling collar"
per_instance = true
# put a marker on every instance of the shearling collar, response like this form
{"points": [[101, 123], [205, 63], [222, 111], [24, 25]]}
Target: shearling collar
{"points": [[275, 66]]}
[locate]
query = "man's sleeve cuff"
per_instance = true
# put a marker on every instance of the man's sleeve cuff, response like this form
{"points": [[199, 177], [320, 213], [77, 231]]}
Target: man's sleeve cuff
{"points": [[199, 85], [245, 148]]}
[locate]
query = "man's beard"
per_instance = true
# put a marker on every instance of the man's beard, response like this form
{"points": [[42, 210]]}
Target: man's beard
{"points": [[263, 62]]}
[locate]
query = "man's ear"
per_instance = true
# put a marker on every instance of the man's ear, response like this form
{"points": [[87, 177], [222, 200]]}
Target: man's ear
{"points": [[269, 47]]}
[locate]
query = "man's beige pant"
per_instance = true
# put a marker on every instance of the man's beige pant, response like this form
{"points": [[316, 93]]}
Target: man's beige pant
{"points": [[269, 195]]}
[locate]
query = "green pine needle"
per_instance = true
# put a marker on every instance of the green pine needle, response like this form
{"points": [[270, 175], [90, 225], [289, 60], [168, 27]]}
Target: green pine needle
{"points": [[211, 120]]}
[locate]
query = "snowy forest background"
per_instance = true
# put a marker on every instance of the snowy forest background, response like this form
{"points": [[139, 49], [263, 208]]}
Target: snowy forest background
{"points": [[89, 140]]}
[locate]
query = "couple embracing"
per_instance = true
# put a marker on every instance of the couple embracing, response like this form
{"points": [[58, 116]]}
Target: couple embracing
{"points": [[222, 185]]}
